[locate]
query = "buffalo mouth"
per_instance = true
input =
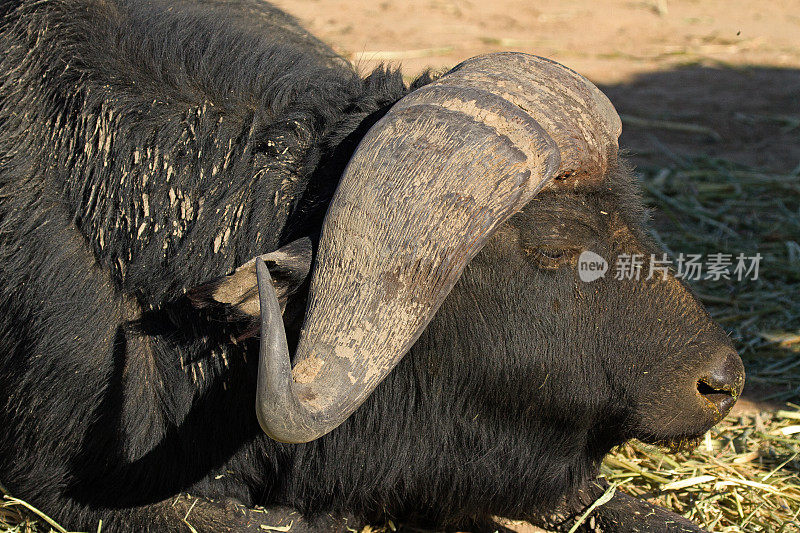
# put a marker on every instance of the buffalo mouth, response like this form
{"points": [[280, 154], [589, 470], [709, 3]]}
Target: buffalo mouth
{"points": [[689, 436], [677, 444]]}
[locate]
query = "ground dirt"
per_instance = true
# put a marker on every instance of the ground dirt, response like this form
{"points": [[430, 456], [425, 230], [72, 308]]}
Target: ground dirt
{"points": [[729, 66]]}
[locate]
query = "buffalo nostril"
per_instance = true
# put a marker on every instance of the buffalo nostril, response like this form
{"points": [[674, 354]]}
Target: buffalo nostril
{"points": [[723, 382], [721, 399]]}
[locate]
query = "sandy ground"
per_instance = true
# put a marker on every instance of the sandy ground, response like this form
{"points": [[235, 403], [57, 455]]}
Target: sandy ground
{"points": [[730, 66]]}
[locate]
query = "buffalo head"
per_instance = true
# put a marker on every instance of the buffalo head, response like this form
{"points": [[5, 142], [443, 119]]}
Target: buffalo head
{"points": [[514, 159]]}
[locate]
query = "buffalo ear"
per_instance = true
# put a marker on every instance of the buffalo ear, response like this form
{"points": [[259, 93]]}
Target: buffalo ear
{"points": [[289, 267]]}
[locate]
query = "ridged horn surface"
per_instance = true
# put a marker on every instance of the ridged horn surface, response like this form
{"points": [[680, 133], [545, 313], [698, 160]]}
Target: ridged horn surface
{"points": [[427, 186]]}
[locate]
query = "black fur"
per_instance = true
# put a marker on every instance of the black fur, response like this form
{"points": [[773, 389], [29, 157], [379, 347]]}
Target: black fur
{"points": [[149, 148]]}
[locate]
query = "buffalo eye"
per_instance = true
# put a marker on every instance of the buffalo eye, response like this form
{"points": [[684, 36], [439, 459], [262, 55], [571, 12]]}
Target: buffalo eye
{"points": [[550, 257]]}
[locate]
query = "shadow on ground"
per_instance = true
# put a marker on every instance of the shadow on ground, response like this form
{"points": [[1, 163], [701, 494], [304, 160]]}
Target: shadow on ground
{"points": [[751, 115]]}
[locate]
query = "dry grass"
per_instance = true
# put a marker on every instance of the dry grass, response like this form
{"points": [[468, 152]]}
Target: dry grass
{"points": [[745, 476], [17, 516]]}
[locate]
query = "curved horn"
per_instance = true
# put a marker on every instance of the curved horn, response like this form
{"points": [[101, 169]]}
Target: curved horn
{"points": [[427, 186]]}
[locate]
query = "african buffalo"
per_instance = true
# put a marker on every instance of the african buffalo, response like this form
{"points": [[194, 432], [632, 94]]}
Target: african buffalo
{"points": [[427, 352]]}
